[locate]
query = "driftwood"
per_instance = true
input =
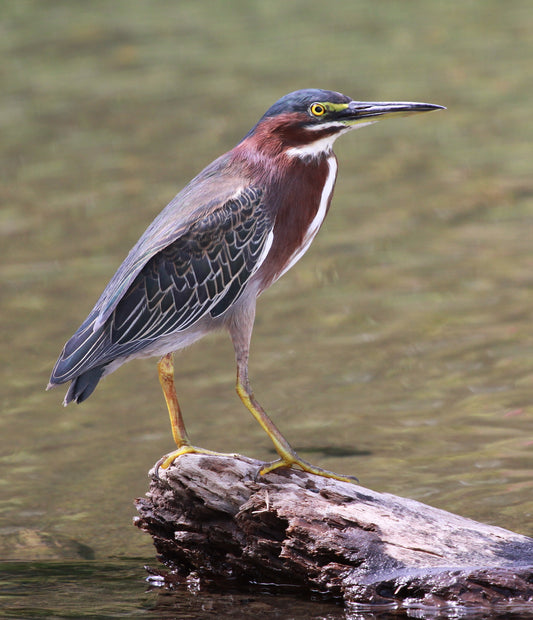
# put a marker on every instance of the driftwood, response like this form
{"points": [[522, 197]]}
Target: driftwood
{"points": [[211, 518]]}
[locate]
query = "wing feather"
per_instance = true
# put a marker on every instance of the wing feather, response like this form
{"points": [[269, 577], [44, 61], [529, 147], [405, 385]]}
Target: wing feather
{"points": [[203, 271]]}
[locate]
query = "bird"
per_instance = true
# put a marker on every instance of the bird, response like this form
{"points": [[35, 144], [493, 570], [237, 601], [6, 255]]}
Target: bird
{"points": [[200, 266]]}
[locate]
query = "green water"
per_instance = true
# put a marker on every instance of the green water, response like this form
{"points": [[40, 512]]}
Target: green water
{"points": [[399, 349]]}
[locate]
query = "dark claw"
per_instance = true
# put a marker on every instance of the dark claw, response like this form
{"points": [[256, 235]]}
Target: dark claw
{"points": [[258, 475], [157, 466]]}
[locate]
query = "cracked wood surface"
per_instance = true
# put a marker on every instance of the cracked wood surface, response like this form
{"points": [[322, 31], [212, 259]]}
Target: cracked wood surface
{"points": [[209, 517]]}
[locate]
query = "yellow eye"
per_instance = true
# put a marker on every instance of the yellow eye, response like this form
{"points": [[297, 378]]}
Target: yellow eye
{"points": [[317, 109]]}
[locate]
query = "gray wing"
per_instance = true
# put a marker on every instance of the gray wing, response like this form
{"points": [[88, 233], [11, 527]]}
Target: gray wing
{"points": [[208, 191], [203, 271]]}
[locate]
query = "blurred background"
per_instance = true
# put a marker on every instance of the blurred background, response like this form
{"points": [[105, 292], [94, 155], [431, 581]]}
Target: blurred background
{"points": [[398, 350]]}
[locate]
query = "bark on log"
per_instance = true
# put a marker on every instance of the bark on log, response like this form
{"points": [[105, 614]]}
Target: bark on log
{"points": [[211, 518]]}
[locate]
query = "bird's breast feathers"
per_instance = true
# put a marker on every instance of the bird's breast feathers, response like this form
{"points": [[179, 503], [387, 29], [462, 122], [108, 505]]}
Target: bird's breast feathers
{"points": [[318, 219], [299, 214]]}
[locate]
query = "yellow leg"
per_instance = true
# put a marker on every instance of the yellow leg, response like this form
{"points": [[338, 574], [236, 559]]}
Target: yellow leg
{"points": [[165, 369], [288, 456]]}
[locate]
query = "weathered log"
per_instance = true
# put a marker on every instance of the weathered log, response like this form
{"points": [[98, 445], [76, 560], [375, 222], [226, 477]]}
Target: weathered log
{"points": [[211, 518]]}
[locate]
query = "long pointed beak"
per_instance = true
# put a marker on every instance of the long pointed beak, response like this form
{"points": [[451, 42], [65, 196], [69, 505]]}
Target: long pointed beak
{"points": [[369, 111]]}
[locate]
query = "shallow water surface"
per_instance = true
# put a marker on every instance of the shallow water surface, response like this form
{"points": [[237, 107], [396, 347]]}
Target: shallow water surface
{"points": [[398, 350], [115, 589]]}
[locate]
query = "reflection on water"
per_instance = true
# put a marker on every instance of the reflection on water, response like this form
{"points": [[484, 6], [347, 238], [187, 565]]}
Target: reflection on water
{"points": [[116, 589], [398, 350]]}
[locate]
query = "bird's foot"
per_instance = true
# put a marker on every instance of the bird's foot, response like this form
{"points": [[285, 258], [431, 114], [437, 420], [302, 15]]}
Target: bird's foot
{"points": [[296, 461], [166, 461]]}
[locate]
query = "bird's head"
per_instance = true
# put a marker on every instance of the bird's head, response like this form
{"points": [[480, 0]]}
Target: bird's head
{"points": [[307, 122]]}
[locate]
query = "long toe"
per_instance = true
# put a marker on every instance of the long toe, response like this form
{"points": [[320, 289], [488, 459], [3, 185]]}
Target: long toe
{"points": [[166, 461], [307, 467]]}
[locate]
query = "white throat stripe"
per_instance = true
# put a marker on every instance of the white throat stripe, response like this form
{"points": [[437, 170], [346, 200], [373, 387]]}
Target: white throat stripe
{"points": [[314, 149], [319, 217]]}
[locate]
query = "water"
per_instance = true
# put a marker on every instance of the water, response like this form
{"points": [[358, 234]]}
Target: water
{"points": [[115, 589], [399, 349]]}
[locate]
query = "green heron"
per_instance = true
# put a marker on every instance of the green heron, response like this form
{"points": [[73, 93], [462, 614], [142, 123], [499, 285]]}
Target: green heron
{"points": [[226, 237]]}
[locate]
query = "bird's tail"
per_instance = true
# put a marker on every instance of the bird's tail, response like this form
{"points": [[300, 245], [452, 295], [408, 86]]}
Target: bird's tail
{"points": [[83, 385], [82, 361]]}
